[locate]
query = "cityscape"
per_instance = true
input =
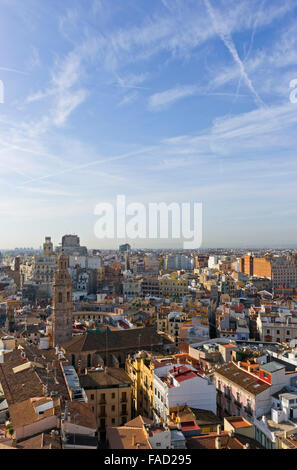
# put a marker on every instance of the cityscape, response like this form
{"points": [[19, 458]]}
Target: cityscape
{"points": [[148, 251], [147, 349]]}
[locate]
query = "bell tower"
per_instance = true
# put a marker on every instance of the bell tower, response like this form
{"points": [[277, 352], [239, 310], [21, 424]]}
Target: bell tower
{"points": [[62, 306], [48, 248]]}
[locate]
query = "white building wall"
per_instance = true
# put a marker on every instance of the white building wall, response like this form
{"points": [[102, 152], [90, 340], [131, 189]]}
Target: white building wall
{"points": [[197, 392], [160, 440]]}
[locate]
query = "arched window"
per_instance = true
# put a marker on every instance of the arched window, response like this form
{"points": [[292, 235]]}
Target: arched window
{"points": [[60, 297], [68, 296]]}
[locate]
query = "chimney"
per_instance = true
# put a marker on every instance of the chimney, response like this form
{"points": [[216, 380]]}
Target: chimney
{"points": [[218, 443]]}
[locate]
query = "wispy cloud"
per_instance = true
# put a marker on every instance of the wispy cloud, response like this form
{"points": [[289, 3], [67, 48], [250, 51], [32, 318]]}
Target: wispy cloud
{"points": [[163, 99], [227, 40], [129, 98]]}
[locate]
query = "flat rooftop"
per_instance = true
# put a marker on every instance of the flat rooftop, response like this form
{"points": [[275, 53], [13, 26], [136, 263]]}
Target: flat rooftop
{"points": [[238, 422]]}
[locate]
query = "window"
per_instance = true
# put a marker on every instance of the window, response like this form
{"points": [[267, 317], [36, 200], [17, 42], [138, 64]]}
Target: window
{"points": [[113, 395], [102, 397], [60, 297], [124, 396], [92, 396], [113, 421], [113, 408]]}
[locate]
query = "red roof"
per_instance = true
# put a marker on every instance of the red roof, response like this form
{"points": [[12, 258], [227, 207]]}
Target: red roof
{"points": [[189, 426], [183, 373]]}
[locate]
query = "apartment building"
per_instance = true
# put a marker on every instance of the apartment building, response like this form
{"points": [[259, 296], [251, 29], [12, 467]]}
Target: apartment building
{"points": [[109, 393], [174, 288], [179, 385], [150, 287], [277, 325], [281, 270], [176, 320], [132, 287], [246, 389], [140, 369]]}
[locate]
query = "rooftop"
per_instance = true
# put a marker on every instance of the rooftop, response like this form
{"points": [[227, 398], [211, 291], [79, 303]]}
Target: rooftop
{"points": [[272, 366], [108, 377], [238, 422], [243, 379]]}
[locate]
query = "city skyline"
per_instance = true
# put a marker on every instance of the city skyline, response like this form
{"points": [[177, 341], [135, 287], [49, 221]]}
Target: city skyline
{"points": [[169, 101]]}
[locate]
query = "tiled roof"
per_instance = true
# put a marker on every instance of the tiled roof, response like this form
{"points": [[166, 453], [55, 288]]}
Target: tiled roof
{"points": [[205, 417], [208, 441], [115, 340], [104, 378], [41, 441], [30, 382], [243, 379], [130, 436], [24, 413], [84, 415], [138, 422]]}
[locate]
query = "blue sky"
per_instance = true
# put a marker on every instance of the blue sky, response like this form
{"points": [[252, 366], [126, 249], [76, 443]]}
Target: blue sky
{"points": [[160, 100]]}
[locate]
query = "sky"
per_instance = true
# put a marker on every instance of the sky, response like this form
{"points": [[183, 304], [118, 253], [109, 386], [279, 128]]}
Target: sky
{"points": [[160, 101]]}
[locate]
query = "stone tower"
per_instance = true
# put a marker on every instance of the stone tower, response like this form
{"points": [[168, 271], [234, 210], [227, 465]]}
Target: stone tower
{"points": [[62, 303], [48, 248]]}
